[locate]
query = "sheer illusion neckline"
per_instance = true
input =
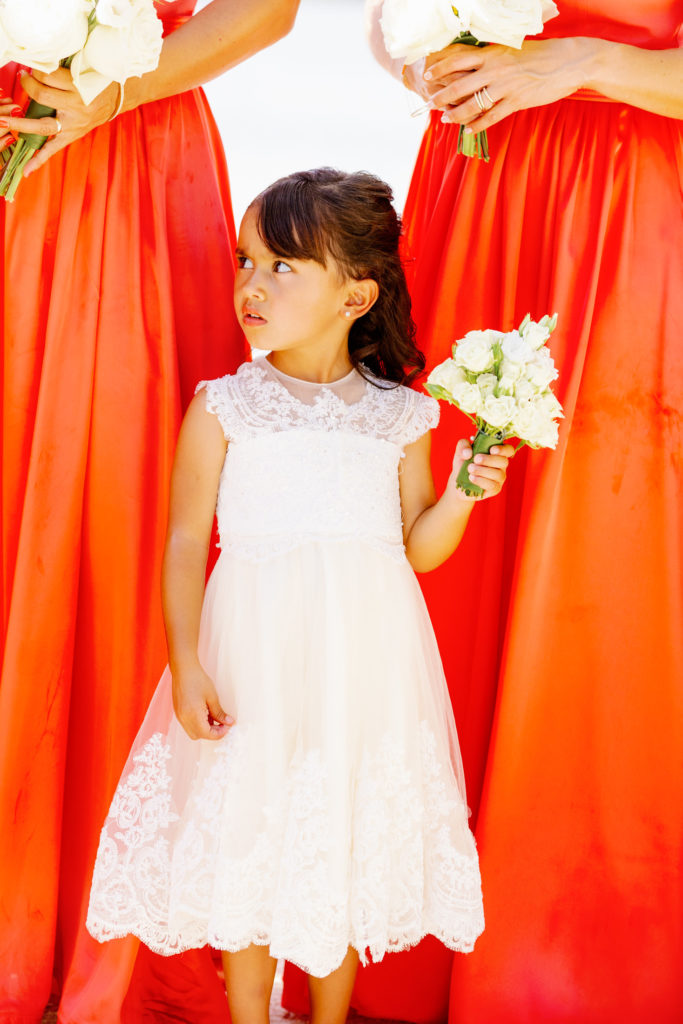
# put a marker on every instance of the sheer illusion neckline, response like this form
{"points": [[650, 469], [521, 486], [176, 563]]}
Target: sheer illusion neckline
{"points": [[351, 389]]}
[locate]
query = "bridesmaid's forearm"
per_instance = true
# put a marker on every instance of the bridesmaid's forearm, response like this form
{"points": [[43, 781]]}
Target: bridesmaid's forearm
{"points": [[219, 37], [649, 79]]}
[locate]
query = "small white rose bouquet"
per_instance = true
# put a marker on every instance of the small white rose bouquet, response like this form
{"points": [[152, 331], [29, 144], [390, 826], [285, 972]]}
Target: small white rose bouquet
{"points": [[502, 382], [414, 29], [101, 41]]}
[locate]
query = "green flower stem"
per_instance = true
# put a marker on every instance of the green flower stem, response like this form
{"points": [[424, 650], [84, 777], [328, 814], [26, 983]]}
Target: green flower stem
{"points": [[481, 445], [472, 145], [26, 145]]}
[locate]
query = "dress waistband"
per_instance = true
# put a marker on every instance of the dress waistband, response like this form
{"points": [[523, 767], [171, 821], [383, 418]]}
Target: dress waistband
{"points": [[592, 97]]}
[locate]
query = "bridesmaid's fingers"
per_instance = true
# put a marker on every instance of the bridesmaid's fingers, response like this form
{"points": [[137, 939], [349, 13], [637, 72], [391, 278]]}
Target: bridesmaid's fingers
{"points": [[45, 152], [497, 113], [48, 96], [8, 108], [46, 126], [5, 141], [458, 57], [59, 79]]}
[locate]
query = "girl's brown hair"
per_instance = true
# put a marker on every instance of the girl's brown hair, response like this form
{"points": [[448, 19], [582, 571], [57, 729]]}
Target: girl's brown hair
{"points": [[349, 218]]}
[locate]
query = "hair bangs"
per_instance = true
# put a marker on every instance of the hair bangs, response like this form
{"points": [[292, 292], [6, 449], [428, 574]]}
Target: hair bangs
{"points": [[289, 222]]}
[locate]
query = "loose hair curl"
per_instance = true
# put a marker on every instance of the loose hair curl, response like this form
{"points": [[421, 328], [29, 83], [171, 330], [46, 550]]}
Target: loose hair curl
{"points": [[326, 214]]}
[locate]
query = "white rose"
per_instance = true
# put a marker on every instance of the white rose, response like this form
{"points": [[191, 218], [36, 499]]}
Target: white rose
{"points": [[42, 33], [541, 370], [531, 423], [508, 21], [550, 405], [447, 375], [468, 398], [516, 349], [414, 30], [525, 390], [535, 334], [498, 411], [113, 54], [487, 384], [116, 13], [475, 351]]}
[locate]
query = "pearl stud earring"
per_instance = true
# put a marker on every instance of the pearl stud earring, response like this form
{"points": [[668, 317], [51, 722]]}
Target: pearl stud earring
{"points": [[348, 312]]}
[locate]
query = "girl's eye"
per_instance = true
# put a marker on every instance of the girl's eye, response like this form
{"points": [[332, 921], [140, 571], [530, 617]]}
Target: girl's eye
{"points": [[280, 267], [244, 263]]}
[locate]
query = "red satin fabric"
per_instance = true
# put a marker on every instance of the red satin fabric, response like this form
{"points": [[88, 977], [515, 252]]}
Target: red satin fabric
{"points": [[560, 618], [117, 287]]}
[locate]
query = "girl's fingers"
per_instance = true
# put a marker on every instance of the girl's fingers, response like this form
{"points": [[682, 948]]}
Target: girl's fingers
{"points": [[486, 473], [494, 461], [5, 141], [46, 126]]}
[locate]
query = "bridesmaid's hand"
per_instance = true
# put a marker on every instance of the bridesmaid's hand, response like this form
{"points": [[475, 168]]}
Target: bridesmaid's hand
{"points": [[197, 706], [541, 72], [487, 471], [74, 119]]}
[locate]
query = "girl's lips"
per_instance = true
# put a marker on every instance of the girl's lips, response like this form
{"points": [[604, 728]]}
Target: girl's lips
{"points": [[252, 319]]}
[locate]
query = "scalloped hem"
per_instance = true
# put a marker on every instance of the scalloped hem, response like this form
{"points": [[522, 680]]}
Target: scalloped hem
{"points": [[376, 950]]}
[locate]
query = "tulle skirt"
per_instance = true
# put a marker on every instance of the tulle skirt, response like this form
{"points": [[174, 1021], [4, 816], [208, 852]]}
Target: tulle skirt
{"points": [[333, 813]]}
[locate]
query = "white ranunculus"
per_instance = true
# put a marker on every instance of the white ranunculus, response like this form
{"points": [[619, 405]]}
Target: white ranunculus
{"points": [[414, 30], [541, 370], [508, 21], [114, 54], [498, 412], [516, 349], [42, 33], [475, 351], [447, 375], [535, 334]]}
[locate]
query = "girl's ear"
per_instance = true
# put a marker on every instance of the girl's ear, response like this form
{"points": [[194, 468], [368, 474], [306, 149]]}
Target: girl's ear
{"points": [[361, 296]]}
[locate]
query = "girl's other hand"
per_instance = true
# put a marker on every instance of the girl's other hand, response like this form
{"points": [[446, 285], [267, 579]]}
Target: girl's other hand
{"points": [[74, 119], [487, 471], [197, 706]]}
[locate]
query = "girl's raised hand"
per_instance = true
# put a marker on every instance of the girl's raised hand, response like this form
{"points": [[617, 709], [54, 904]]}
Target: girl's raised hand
{"points": [[487, 471], [73, 120], [197, 706]]}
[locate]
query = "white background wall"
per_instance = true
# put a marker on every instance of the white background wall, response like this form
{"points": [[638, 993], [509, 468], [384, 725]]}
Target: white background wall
{"points": [[315, 98]]}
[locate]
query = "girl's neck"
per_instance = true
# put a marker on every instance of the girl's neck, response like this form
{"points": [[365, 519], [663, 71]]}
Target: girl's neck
{"points": [[314, 368]]}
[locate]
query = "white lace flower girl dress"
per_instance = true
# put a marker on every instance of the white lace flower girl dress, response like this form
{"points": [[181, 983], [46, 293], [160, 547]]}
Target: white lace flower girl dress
{"points": [[333, 812]]}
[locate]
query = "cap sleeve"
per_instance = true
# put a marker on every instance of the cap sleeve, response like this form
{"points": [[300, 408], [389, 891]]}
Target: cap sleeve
{"points": [[423, 415], [218, 401]]}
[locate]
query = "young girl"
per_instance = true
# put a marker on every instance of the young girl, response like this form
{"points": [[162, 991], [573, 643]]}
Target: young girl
{"points": [[307, 799]]}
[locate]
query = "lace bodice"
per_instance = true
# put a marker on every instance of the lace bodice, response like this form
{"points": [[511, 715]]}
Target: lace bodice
{"points": [[311, 461]]}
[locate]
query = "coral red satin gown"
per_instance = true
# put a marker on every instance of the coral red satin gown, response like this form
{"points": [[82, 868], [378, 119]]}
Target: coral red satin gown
{"points": [[560, 619], [117, 286]]}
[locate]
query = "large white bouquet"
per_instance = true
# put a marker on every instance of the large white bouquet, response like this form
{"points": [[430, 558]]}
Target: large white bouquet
{"points": [[414, 29], [502, 382], [101, 41]]}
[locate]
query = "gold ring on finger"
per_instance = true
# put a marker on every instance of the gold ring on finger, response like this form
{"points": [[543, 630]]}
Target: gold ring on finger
{"points": [[487, 96]]}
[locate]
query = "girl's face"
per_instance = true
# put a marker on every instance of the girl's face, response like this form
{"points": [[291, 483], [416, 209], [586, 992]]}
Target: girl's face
{"points": [[286, 303]]}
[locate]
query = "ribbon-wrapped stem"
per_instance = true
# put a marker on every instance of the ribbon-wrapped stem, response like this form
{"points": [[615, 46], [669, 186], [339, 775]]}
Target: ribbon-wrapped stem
{"points": [[481, 445]]}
